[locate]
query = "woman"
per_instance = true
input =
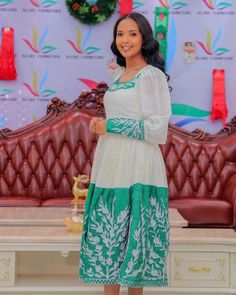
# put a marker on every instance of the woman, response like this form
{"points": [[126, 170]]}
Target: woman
{"points": [[126, 228]]}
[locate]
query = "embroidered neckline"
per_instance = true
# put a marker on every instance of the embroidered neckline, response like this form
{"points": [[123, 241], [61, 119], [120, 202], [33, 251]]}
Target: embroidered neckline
{"points": [[135, 76], [118, 85], [123, 85]]}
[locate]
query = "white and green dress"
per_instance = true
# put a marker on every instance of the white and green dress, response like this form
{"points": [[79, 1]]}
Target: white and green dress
{"points": [[125, 236]]}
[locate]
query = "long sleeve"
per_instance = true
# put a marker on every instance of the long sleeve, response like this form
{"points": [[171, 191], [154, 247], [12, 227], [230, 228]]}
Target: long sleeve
{"points": [[155, 105]]}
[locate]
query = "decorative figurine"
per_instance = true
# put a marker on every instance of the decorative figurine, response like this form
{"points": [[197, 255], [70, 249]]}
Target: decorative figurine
{"points": [[75, 222]]}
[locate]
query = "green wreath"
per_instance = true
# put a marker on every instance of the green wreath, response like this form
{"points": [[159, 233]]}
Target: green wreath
{"points": [[91, 13]]}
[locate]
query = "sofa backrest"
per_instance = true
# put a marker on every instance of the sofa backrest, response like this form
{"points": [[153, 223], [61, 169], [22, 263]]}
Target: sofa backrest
{"points": [[40, 160], [41, 164], [198, 166]]}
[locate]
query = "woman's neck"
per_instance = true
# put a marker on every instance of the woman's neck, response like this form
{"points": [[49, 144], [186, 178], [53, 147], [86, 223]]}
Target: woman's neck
{"points": [[133, 63]]}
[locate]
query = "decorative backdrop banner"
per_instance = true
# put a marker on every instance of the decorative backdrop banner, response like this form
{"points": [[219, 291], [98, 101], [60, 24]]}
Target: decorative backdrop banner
{"points": [[56, 55]]}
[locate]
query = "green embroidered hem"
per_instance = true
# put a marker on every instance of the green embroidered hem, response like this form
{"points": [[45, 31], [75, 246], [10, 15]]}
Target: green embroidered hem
{"points": [[126, 283], [125, 236]]}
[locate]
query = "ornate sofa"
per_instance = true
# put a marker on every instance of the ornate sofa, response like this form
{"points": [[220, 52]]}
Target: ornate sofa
{"points": [[38, 162]]}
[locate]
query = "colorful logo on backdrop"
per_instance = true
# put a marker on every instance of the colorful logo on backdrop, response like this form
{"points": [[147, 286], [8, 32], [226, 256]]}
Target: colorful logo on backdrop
{"points": [[37, 43], [37, 88], [43, 3], [217, 4], [5, 91], [191, 113], [6, 2], [89, 83], [80, 44], [172, 4], [211, 47], [137, 4]]}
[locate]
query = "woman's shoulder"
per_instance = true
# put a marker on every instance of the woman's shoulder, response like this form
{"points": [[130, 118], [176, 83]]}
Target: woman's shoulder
{"points": [[151, 72]]}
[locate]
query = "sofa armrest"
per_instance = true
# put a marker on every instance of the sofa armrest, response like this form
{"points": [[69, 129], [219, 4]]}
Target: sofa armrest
{"points": [[229, 195]]}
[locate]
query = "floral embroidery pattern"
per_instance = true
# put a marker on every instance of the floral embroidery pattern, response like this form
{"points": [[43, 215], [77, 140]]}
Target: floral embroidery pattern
{"points": [[119, 249], [107, 240], [125, 126], [152, 245]]}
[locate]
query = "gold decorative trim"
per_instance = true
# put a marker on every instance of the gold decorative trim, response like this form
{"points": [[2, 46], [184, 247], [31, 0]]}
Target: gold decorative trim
{"points": [[202, 269]]}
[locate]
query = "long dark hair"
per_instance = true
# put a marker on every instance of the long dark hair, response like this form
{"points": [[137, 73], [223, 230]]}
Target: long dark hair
{"points": [[150, 47]]}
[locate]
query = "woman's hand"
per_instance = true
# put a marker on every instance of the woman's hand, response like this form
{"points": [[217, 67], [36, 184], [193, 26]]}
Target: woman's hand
{"points": [[98, 125], [101, 126], [92, 125]]}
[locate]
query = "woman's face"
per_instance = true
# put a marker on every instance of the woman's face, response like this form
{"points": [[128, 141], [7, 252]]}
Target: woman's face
{"points": [[129, 38]]}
